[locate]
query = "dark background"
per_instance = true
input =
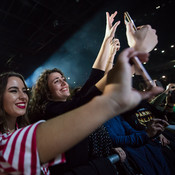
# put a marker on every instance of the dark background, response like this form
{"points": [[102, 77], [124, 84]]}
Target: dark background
{"points": [[67, 34]]}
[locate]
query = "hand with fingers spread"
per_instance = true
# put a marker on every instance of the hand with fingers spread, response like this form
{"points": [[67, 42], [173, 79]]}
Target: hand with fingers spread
{"points": [[144, 39], [111, 29], [102, 61], [121, 153], [156, 126]]}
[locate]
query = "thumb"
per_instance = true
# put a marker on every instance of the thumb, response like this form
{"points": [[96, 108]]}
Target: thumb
{"points": [[129, 27]]}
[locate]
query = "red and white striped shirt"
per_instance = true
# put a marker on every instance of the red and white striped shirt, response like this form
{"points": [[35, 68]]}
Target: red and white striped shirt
{"points": [[19, 155]]}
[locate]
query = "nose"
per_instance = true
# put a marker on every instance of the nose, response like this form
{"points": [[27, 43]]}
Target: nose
{"points": [[23, 96], [63, 82]]}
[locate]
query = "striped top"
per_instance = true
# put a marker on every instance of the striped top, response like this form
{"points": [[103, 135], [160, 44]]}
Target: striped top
{"points": [[19, 155]]}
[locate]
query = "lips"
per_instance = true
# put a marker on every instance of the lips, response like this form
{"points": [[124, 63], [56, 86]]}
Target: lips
{"points": [[64, 89], [21, 105]]}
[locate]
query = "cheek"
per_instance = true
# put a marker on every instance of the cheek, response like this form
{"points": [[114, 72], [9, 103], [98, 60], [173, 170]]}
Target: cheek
{"points": [[54, 89], [6, 103], [7, 107]]}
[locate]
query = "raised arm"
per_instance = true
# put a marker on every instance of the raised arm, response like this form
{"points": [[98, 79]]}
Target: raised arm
{"points": [[144, 39], [114, 47], [103, 55], [61, 133]]}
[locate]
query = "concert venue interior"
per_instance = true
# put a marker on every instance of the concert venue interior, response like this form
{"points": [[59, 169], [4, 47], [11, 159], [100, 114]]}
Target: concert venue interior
{"points": [[67, 34]]}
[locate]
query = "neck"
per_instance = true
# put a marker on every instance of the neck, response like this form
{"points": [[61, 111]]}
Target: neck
{"points": [[11, 123]]}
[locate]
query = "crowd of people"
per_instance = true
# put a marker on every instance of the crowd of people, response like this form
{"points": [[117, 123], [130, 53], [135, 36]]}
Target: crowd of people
{"points": [[51, 131]]}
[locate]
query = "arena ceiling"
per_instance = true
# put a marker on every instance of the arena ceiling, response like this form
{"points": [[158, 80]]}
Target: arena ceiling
{"points": [[32, 30]]}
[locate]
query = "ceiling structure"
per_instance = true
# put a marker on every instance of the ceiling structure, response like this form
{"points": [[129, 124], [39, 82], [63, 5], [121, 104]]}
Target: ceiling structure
{"points": [[32, 30]]}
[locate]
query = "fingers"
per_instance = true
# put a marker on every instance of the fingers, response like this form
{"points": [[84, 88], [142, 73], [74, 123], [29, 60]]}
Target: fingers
{"points": [[113, 29], [112, 17], [121, 153], [151, 93], [162, 122], [107, 17], [115, 44], [114, 14], [129, 27], [143, 56]]}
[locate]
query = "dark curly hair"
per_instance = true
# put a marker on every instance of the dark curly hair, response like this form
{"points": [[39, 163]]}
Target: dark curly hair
{"points": [[21, 120], [40, 96]]}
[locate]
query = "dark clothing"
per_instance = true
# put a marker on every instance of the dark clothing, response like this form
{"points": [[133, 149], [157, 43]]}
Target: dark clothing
{"points": [[98, 144], [138, 118], [123, 134], [101, 166], [143, 113], [146, 153], [86, 93]]}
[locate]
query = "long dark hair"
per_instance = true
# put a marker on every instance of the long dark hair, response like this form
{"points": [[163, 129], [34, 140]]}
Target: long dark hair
{"points": [[21, 120]]}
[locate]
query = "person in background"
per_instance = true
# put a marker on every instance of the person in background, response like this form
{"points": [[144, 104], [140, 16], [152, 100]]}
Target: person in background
{"points": [[42, 94], [139, 146]]}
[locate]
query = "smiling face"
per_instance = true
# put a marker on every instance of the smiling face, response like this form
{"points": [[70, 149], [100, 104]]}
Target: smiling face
{"points": [[58, 86], [15, 98]]}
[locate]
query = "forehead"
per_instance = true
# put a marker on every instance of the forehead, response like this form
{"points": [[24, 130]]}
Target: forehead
{"points": [[15, 81], [54, 75]]}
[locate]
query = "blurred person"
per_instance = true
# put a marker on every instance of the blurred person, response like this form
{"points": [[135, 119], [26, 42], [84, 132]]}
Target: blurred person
{"points": [[139, 145]]}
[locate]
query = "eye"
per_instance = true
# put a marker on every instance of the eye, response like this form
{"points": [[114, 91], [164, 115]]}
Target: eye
{"points": [[26, 91], [56, 81], [13, 91]]}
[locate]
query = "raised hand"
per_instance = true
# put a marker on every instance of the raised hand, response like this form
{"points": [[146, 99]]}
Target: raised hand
{"points": [[111, 29], [144, 39]]}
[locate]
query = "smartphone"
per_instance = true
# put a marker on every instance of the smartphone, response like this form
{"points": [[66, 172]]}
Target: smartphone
{"points": [[140, 68]]}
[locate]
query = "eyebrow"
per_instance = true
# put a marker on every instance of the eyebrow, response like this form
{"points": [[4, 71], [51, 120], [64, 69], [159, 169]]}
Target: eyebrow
{"points": [[15, 87], [55, 79], [12, 87]]}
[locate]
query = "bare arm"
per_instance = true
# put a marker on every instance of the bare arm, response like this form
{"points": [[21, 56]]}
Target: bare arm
{"points": [[61, 133], [103, 55], [114, 47]]}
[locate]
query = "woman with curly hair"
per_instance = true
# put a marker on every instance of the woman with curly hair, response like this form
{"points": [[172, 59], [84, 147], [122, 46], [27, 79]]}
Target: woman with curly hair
{"points": [[44, 92]]}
